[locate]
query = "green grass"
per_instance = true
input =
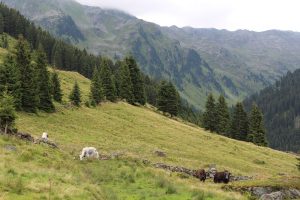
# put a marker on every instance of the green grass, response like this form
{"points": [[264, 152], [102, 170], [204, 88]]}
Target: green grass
{"points": [[137, 132]]}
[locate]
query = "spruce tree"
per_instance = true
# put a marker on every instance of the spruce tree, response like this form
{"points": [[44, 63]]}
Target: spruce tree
{"points": [[4, 41], [174, 100], [116, 76], [168, 98], [96, 94], [138, 89], [28, 96], [57, 55], [109, 90], [222, 116], [239, 124], [209, 116], [10, 79], [56, 90], [125, 85], [7, 112], [1, 23], [75, 96], [257, 132], [43, 82], [298, 165]]}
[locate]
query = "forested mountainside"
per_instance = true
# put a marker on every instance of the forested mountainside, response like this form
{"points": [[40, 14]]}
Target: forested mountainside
{"points": [[280, 104], [121, 80], [197, 61]]}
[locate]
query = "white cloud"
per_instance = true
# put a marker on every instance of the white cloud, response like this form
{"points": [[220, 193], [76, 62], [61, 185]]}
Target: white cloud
{"points": [[255, 15]]}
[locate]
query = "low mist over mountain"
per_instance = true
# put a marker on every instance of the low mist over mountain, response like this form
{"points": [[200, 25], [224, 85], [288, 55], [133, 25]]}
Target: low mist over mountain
{"points": [[198, 61]]}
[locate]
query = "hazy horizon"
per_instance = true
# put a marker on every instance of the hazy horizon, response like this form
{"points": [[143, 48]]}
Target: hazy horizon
{"points": [[220, 14]]}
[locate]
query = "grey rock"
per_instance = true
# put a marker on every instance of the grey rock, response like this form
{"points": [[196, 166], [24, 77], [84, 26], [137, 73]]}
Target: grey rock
{"points": [[292, 193], [10, 148], [240, 178], [116, 155], [273, 196], [259, 191], [160, 153], [211, 171]]}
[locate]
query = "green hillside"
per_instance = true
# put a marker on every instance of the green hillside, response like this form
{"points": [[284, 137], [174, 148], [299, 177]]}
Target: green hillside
{"points": [[136, 132], [197, 61]]}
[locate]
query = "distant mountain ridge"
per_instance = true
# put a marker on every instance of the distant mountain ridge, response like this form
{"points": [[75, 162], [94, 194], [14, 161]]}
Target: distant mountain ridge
{"points": [[198, 61]]}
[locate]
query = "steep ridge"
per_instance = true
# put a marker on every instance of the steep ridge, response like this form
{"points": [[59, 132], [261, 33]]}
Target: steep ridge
{"points": [[115, 33], [198, 61]]}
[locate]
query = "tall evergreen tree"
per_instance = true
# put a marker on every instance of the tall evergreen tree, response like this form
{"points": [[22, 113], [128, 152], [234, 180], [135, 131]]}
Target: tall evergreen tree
{"points": [[4, 41], [109, 89], [75, 96], [222, 116], [1, 24], [298, 165], [257, 132], [43, 82], [27, 76], [125, 85], [7, 112], [209, 116], [239, 124], [10, 79], [116, 76], [96, 94], [56, 90], [138, 89], [168, 98], [58, 55]]}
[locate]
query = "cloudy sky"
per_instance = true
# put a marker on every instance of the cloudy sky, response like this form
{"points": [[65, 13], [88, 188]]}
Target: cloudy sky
{"points": [[258, 15]]}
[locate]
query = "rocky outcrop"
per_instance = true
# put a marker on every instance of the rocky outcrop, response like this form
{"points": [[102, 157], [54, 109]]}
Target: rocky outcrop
{"points": [[47, 142], [268, 193], [192, 172], [23, 136], [282, 194], [272, 196], [175, 168]]}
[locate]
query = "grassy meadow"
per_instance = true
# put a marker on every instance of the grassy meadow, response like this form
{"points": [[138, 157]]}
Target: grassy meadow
{"points": [[37, 171], [31, 171]]}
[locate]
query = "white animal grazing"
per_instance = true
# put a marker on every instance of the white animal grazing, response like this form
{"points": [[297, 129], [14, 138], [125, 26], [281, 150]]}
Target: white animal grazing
{"points": [[45, 136], [89, 152]]}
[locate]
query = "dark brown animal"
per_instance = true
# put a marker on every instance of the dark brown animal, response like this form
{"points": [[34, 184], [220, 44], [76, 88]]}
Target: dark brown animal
{"points": [[222, 177], [201, 174]]}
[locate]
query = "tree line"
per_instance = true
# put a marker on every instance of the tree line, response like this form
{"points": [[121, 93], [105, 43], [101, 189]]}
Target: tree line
{"points": [[281, 106], [67, 57], [27, 85], [237, 124]]}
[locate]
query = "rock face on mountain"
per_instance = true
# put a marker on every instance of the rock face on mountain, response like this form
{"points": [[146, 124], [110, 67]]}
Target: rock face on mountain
{"points": [[198, 61]]}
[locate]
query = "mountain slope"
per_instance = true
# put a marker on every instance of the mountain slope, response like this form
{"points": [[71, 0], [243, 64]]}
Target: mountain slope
{"points": [[32, 171], [280, 104], [32, 168], [260, 57], [198, 61], [114, 33]]}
